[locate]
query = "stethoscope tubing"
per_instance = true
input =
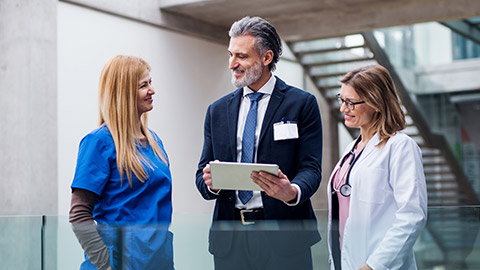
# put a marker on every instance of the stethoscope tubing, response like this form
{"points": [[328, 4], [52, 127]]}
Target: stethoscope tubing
{"points": [[346, 189]]}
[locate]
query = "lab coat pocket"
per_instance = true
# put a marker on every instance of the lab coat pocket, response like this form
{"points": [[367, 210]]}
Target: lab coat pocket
{"points": [[373, 185]]}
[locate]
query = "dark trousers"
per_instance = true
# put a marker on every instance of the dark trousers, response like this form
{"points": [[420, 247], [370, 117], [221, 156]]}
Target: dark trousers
{"points": [[252, 249], [335, 234]]}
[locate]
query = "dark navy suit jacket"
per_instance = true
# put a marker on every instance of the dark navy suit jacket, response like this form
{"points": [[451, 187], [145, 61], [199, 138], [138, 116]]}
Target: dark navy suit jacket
{"points": [[299, 159]]}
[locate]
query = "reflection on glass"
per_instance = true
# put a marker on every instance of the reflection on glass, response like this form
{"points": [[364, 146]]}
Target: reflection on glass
{"points": [[449, 241]]}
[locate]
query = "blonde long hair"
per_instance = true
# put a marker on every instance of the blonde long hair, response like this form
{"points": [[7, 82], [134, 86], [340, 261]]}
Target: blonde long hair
{"points": [[375, 85], [118, 109]]}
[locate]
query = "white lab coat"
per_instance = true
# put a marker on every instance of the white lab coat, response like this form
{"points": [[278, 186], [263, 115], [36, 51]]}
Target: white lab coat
{"points": [[388, 206]]}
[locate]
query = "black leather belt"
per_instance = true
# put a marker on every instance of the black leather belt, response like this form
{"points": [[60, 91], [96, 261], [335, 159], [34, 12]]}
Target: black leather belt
{"points": [[248, 217]]}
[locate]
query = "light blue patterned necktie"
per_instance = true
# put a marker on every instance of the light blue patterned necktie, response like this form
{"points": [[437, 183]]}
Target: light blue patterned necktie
{"points": [[248, 141]]}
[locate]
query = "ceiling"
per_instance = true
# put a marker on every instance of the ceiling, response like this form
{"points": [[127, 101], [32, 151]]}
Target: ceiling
{"points": [[312, 19]]}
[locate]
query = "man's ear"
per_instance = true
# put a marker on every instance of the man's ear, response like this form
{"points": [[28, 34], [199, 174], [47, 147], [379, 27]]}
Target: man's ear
{"points": [[267, 57]]}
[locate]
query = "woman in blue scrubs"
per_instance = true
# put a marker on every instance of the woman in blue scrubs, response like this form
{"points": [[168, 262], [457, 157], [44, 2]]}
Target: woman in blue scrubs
{"points": [[121, 203]]}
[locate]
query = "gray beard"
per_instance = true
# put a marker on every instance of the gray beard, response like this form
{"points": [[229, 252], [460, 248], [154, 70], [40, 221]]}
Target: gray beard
{"points": [[251, 75]]}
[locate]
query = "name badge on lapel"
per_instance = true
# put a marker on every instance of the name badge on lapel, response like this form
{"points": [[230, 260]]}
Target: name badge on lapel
{"points": [[285, 131]]}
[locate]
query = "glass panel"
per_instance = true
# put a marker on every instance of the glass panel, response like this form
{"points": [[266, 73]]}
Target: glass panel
{"points": [[424, 44], [21, 242], [475, 20], [449, 241], [464, 48]]}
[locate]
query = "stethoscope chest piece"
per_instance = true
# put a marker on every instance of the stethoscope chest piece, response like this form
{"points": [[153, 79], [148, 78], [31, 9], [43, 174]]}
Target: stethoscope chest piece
{"points": [[346, 190]]}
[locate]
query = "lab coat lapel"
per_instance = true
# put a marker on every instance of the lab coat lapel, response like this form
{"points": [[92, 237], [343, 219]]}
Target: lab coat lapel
{"points": [[370, 147]]}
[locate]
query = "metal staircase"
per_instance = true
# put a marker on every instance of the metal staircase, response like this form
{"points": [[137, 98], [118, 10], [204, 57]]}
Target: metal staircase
{"points": [[326, 61]]}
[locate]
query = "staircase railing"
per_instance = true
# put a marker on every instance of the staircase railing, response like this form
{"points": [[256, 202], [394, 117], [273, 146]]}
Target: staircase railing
{"points": [[431, 140]]}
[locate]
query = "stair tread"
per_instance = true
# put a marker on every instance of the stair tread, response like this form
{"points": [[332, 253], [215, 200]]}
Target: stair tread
{"points": [[333, 49], [337, 74], [326, 63]]}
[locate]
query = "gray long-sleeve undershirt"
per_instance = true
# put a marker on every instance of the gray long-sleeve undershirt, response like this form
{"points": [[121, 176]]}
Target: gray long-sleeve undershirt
{"points": [[85, 229]]}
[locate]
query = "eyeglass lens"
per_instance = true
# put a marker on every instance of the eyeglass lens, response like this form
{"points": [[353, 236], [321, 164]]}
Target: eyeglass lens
{"points": [[349, 104]]}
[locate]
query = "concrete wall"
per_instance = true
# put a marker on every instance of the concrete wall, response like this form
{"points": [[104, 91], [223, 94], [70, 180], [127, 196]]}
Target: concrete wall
{"points": [[28, 128], [28, 114], [188, 74]]}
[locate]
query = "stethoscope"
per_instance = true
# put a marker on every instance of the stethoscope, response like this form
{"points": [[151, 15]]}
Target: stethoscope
{"points": [[346, 189]]}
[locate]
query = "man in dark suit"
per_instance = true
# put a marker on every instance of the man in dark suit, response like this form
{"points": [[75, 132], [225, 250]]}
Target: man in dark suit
{"points": [[264, 121]]}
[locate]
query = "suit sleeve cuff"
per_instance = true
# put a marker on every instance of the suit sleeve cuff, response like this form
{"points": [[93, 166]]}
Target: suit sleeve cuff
{"points": [[299, 195]]}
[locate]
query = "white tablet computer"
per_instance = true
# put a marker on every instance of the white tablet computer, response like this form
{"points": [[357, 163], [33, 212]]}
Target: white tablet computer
{"points": [[236, 176]]}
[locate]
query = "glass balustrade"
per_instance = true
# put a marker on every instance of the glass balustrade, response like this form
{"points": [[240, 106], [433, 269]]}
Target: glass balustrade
{"points": [[449, 241]]}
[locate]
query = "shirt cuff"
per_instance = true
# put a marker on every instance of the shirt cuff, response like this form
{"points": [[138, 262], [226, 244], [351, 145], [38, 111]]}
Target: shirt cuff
{"points": [[299, 195], [213, 192]]}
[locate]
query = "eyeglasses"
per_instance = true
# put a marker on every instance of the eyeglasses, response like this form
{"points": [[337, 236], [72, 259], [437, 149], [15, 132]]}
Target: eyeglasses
{"points": [[350, 105]]}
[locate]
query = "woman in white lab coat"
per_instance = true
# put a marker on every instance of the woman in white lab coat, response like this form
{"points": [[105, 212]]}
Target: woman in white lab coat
{"points": [[377, 193]]}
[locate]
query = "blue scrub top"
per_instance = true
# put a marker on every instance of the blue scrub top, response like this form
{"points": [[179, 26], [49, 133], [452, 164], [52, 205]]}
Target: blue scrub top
{"points": [[138, 216]]}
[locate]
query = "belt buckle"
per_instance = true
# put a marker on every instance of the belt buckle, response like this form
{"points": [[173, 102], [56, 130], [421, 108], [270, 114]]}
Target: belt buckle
{"points": [[244, 222]]}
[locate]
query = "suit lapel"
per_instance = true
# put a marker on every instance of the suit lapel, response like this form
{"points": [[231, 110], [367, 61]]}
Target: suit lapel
{"points": [[233, 107], [275, 100]]}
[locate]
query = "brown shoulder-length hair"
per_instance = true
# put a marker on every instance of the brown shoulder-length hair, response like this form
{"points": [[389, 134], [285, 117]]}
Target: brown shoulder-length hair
{"points": [[119, 83], [375, 86]]}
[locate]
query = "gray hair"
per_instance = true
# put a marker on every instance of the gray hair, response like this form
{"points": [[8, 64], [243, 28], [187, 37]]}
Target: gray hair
{"points": [[266, 37]]}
